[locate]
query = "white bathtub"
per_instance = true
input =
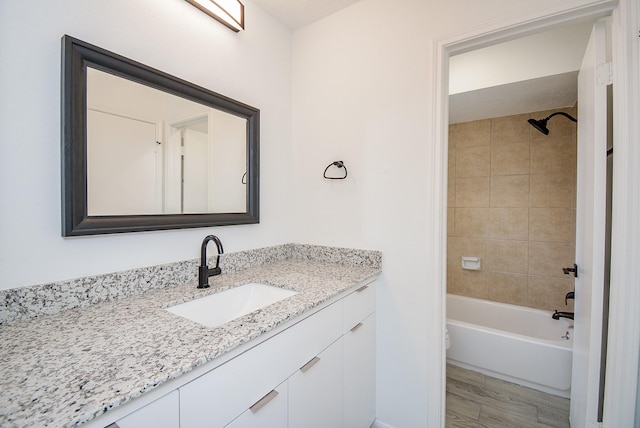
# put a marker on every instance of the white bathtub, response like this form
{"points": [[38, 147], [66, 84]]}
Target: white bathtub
{"points": [[514, 343]]}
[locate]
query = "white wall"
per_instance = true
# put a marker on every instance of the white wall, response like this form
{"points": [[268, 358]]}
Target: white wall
{"points": [[362, 93], [253, 66]]}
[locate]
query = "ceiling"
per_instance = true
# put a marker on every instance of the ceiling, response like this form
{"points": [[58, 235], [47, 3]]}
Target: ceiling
{"points": [[541, 91], [529, 74], [298, 13], [544, 93]]}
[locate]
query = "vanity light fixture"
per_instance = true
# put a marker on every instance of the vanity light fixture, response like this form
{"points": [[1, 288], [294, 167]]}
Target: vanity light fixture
{"points": [[228, 12]]}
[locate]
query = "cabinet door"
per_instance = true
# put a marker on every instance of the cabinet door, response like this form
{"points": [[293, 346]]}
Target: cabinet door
{"points": [[162, 413], [221, 395], [360, 374], [359, 305], [315, 391], [268, 412]]}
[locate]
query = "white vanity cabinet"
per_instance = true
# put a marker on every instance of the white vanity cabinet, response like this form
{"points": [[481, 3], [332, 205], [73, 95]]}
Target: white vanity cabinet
{"points": [[315, 391], [360, 374], [161, 413], [359, 364], [269, 411], [218, 397], [320, 372]]}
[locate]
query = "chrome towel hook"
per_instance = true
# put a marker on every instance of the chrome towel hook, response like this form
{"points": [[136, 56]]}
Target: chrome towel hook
{"points": [[338, 164]]}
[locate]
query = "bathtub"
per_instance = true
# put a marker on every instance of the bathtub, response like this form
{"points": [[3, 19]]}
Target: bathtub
{"points": [[513, 343]]}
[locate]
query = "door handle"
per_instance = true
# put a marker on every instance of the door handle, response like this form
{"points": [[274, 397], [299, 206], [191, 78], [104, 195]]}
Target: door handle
{"points": [[263, 401], [570, 270], [309, 364]]}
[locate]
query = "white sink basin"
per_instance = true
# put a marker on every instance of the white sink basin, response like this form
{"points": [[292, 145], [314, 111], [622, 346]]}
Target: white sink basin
{"points": [[217, 309]]}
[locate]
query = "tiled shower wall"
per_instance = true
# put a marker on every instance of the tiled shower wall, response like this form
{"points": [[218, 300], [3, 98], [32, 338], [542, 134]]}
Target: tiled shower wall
{"points": [[512, 203]]}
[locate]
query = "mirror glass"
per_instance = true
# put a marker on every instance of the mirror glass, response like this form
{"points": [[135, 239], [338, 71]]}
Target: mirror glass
{"points": [[143, 150], [152, 152]]}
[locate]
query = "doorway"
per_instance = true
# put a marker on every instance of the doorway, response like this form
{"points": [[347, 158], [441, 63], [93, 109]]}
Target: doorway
{"points": [[449, 216], [511, 193]]}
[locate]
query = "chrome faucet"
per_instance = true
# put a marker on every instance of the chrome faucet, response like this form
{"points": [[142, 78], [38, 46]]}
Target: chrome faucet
{"points": [[203, 271]]}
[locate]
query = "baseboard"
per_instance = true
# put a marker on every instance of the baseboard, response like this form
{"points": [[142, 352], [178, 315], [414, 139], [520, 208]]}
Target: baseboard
{"points": [[379, 424]]}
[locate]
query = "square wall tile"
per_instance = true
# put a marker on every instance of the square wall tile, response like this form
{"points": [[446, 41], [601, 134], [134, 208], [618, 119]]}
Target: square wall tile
{"points": [[471, 222], [548, 258], [507, 256], [472, 192], [473, 161], [510, 159], [511, 202], [508, 288], [509, 223], [469, 247], [554, 156], [469, 283], [552, 224], [510, 191], [510, 129], [553, 190], [451, 167], [452, 283], [545, 292], [469, 134], [451, 252], [451, 224], [451, 192]]}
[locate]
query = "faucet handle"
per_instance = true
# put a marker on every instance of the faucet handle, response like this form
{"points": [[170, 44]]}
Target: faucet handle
{"points": [[571, 270], [570, 295]]}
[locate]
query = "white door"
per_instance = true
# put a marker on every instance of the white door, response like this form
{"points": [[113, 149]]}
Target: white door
{"points": [[173, 173], [123, 162], [590, 232], [194, 172]]}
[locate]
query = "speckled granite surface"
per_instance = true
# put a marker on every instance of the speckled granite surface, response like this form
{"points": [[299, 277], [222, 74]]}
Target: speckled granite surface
{"points": [[20, 304], [68, 367]]}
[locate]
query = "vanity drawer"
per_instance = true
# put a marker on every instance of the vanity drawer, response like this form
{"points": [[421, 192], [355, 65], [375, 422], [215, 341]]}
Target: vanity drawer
{"points": [[359, 305], [228, 390]]}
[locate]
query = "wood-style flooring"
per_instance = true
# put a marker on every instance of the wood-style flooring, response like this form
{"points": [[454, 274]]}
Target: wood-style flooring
{"points": [[478, 401]]}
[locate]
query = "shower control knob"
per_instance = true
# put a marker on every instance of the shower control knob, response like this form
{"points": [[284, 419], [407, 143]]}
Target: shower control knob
{"points": [[571, 270], [570, 295]]}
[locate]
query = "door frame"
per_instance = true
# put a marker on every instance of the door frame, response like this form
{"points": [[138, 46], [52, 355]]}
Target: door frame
{"points": [[621, 384]]}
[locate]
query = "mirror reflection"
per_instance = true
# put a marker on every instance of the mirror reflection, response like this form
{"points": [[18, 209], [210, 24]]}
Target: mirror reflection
{"points": [[152, 152], [143, 150]]}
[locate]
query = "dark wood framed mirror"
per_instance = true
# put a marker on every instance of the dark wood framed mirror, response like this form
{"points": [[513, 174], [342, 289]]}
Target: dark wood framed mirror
{"points": [[143, 150]]}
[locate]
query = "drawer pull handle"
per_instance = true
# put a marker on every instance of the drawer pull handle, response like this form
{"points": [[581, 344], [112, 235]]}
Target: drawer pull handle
{"points": [[364, 287], [357, 326], [263, 401], [310, 364]]}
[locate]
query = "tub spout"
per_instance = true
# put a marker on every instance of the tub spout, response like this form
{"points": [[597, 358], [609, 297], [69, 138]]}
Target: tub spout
{"points": [[557, 315]]}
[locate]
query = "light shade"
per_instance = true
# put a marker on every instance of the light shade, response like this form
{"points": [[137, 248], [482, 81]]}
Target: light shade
{"points": [[228, 12]]}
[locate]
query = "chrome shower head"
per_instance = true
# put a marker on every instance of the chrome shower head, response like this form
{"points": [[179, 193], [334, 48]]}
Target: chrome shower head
{"points": [[541, 125]]}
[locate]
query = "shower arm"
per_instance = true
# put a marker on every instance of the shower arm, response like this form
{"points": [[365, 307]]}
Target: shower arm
{"points": [[568, 116]]}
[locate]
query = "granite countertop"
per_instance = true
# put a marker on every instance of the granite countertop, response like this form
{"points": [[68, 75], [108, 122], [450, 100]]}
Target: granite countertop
{"points": [[68, 368]]}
